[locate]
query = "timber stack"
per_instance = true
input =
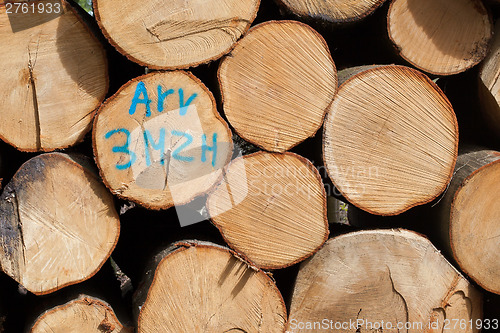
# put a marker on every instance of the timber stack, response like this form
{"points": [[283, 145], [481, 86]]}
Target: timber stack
{"points": [[248, 166]]}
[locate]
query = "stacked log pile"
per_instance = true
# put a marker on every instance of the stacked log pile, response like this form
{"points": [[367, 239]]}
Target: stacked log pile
{"points": [[250, 166]]}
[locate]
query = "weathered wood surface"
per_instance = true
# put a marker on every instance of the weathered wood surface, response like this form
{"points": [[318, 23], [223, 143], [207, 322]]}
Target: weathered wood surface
{"points": [[378, 280], [58, 223]]}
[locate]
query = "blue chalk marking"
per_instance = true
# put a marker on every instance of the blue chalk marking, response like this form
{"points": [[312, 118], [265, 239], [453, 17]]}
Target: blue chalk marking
{"points": [[140, 90], [148, 139], [122, 149], [183, 105], [205, 148], [176, 152], [162, 96]]}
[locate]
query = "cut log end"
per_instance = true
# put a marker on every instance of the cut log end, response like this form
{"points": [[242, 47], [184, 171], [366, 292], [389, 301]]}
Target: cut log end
{"points": [[336, 11], [438, 36], [489, 85], [178, 35], [159, 141], [390, 140], [271, 208], [383, 280], [209, 290], [54, 75], [277, 84], [58, 224], [85, 315], [474, 231]]}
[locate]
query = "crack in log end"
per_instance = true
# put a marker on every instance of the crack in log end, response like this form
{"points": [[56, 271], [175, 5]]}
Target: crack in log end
{"points": [[261, 313], [459, 302], [358, 328], [451, 291], [457, 306], [31, 66], [35, 106], [169, 30], [84, 117], [277, 140], [436, 318], [154, 34], [385, 292], [166, 157], [399, 294]]}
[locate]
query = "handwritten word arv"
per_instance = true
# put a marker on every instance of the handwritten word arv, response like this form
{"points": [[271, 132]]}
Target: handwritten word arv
{"points": [[141, 97], [170, 135]]}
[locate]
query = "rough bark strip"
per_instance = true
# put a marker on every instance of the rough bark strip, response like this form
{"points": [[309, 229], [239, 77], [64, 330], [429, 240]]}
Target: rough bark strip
{"points": [[489, 85]]}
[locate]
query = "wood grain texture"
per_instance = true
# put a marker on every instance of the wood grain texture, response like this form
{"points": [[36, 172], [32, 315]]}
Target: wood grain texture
{"points": [[440, 37], [336, 11], [390, 139], [271, 208], [277, 84], [469, 212], [207, 289], [174, 35], [82, 315], [375, 276], [58, 224], [54, 76]]}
